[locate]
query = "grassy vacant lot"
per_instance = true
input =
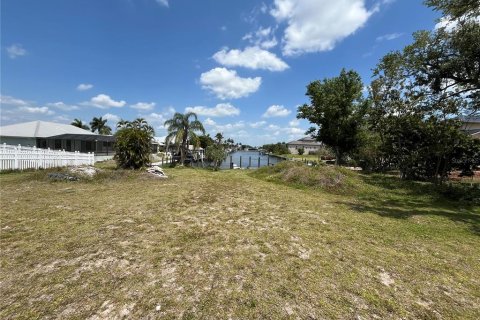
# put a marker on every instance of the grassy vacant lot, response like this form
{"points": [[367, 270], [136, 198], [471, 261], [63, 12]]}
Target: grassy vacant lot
{"points": [[231, 244]]}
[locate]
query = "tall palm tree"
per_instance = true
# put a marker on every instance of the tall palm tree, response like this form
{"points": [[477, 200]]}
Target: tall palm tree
{"points": [[181, 130], [100, 125], [219, 137], [79, 124], [105, 130]]}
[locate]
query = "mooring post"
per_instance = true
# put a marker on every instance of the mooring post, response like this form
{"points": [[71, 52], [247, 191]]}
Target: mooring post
{"points": [[268, 160], [231, 163], [258, 162], [249, 162], [240, 161]]}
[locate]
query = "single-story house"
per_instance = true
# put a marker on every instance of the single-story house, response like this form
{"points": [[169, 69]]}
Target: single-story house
{"points": [[56, 136], [471, 126], [308, 144]]}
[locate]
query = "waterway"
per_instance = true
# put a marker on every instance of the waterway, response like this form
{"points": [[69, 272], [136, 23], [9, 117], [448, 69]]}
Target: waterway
{"points": [[249, 160]]}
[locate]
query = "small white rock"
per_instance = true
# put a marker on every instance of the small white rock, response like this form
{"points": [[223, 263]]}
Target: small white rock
{"points": [[157, 308]]}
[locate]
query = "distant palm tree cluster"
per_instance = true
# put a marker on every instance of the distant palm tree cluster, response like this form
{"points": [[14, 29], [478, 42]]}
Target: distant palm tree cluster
{"points": [[97, 125], [139, 123]]}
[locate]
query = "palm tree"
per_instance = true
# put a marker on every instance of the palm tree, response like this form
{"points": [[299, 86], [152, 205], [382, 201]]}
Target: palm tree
{"points": [[100, 125], [122, 124], [79, 124], [105, 130], [181, 130], [219, 137]]}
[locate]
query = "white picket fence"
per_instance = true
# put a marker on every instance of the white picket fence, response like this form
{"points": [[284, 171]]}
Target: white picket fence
{"points": [[21, 158]]}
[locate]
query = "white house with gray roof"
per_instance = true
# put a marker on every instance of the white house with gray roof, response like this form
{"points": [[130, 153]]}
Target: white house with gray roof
{"points": [[56, 136], [471, 126], [309, 145]]}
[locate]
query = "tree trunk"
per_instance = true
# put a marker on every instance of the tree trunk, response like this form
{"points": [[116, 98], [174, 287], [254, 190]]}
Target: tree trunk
{"points": [[338, 156], [182, 153]]}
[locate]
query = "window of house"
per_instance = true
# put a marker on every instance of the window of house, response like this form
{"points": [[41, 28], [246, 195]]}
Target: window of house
{"points": [[42, 143], [58, 144], [89, 146]]}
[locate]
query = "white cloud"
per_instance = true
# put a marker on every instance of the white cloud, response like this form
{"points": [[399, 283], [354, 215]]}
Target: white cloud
{"points": [[111, 117], [209, 122], [258, 124], [62, 119], [229, 127], [16, 50], [162, 2], [84, 86], [14, 110], [22, 105], [145, 106], [223, 28], [220, 110], [14, 102], [263, 37], [226, 84], [251, 57], [295, 131], [449, 24], [318, 25], [62, 106], [294, 123], [276, 111], [157, 119], [40, 110], [272, 127], [104, 101], [389, 36]]}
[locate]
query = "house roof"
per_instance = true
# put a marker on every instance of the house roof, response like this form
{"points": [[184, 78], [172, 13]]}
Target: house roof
{"points": [[42, 129], [470, 119], [159, 140], [306, 141], [472, 131]]}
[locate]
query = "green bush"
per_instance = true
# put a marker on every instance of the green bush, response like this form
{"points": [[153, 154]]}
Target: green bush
{"points": [[132, 148], [216, 154]]}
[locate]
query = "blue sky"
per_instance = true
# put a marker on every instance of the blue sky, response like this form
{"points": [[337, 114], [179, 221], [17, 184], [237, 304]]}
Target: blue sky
{"points": [[242, 66]]}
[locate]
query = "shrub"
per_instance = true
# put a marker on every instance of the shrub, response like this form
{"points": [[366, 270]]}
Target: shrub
{"points": [[216, 154], [335, 179], [301, 151], [132, 148]]}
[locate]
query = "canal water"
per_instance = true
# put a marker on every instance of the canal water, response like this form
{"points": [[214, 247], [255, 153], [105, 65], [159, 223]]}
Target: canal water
{"points": [[249, 159]]}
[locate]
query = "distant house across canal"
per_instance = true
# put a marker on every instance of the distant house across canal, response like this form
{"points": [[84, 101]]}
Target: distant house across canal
{"points": [[309, 145]]}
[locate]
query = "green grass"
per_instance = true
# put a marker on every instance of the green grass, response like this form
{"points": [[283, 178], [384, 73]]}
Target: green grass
{"points": [[309, 157], [215, 245]]}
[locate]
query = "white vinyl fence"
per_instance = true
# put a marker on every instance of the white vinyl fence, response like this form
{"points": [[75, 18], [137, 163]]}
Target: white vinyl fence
{"points": [[20, 158]]}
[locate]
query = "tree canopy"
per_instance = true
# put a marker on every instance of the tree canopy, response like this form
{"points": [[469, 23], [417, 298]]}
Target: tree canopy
{"points": [[336, 107], [133, 144]]}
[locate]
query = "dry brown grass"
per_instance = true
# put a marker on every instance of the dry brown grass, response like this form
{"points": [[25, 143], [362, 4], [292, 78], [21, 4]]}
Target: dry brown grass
{"points": [[220, 245]]}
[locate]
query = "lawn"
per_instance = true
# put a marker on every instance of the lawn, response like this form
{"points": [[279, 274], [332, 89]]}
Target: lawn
{"points": [[309, 157], [229, 244]]}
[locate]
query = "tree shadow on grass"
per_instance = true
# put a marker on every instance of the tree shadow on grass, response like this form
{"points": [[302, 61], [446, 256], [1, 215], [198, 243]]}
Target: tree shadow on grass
{"points": [[394, 198]]}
